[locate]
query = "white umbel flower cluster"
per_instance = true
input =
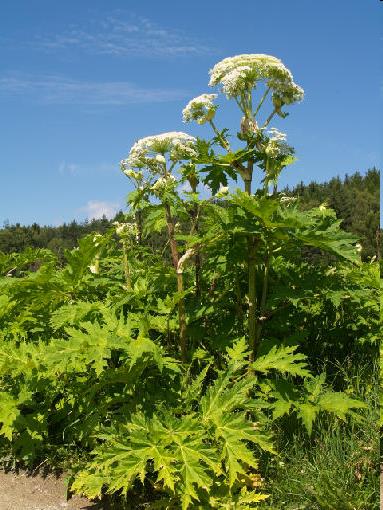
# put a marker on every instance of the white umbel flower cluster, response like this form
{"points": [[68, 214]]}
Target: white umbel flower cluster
{"points": [[150, 151], [135, 175], [277, 135], [165, 184], [222, 192], [97, 239], [126, 229], [276, 145], [241, 73], [201, 109], [237, 80]]}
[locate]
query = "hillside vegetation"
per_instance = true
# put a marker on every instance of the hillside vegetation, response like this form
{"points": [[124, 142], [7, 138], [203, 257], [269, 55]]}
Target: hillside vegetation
{"points": [[355, 199]]}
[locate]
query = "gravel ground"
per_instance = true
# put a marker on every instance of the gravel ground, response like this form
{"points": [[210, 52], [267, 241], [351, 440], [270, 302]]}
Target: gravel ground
{"points": [[23, 492]]}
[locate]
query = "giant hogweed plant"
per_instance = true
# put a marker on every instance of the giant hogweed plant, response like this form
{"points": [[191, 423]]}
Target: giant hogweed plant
{"points": [[159, 163], [172, 375]]}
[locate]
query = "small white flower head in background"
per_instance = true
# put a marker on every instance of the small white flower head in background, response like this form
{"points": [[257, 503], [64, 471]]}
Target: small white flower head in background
{"points": [[164, 184], [132, 174], [277, 135], [287, 200], [358, 247], [96, 239], [201, 109], [241, 73], [126, 229], [144, 153], [222, 192], [276, 145]]}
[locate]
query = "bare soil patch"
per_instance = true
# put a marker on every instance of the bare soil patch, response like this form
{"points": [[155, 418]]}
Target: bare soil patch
{"points": [[24, 492]]}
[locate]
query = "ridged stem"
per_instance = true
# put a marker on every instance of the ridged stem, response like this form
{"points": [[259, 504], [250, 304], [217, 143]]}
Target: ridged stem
{"points": [[181, 302]]}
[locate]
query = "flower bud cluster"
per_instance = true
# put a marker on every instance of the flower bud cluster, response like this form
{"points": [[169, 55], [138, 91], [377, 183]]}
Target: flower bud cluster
{"points": [[126, 229], [201, 109], [132, 174], [165, 184]]}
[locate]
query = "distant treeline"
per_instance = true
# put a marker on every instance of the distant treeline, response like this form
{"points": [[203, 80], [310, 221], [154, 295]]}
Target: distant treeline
{"points": [[354, 198], [15, 238]]}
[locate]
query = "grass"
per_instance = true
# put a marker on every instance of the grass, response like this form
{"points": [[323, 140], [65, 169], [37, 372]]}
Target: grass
{"points": [[339, 468]]}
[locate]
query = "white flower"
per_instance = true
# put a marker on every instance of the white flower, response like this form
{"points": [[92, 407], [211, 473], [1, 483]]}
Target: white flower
{"points": [[200, 109], [235, 81], [125, 229], [258, 62], [287, 200], [276, 145], [277, 135], [161, 159], [96, 239], [143, 153], [137, 176], [242, 72], [358, 247], [164, 184], [222, 192]]}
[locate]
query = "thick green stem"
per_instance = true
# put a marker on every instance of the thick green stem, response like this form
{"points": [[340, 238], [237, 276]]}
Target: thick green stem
{"points": [[252, 293], [197, 265], [125, 261], [238, 296], [194, 213], [182, 318], [181, 302], [252, 243], [139, 224], [262, 305]]}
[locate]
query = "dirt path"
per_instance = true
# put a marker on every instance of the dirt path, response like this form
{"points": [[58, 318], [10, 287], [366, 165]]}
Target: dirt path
{"points": [[23, 492]]}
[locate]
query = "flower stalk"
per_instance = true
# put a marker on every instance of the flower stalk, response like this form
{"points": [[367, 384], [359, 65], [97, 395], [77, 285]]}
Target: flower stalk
{"points": [[180, 286], [262, 305], [126, 266]]}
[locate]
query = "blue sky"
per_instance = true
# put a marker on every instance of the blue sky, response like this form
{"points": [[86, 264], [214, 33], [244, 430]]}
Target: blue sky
{"points": [[80, 81]]}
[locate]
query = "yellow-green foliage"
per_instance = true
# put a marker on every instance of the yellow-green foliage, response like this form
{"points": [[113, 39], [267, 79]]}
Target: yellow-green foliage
{"points": [[166, 363]]}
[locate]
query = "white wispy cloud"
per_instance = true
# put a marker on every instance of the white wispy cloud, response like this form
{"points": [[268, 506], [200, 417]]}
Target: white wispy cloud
{"points": [[123, 34], [97, 209], [66, 168], [53, 89]]}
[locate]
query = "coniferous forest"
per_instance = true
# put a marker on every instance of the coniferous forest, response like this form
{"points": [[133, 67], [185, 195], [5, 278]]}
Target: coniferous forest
{"points": [[355, 199]]}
